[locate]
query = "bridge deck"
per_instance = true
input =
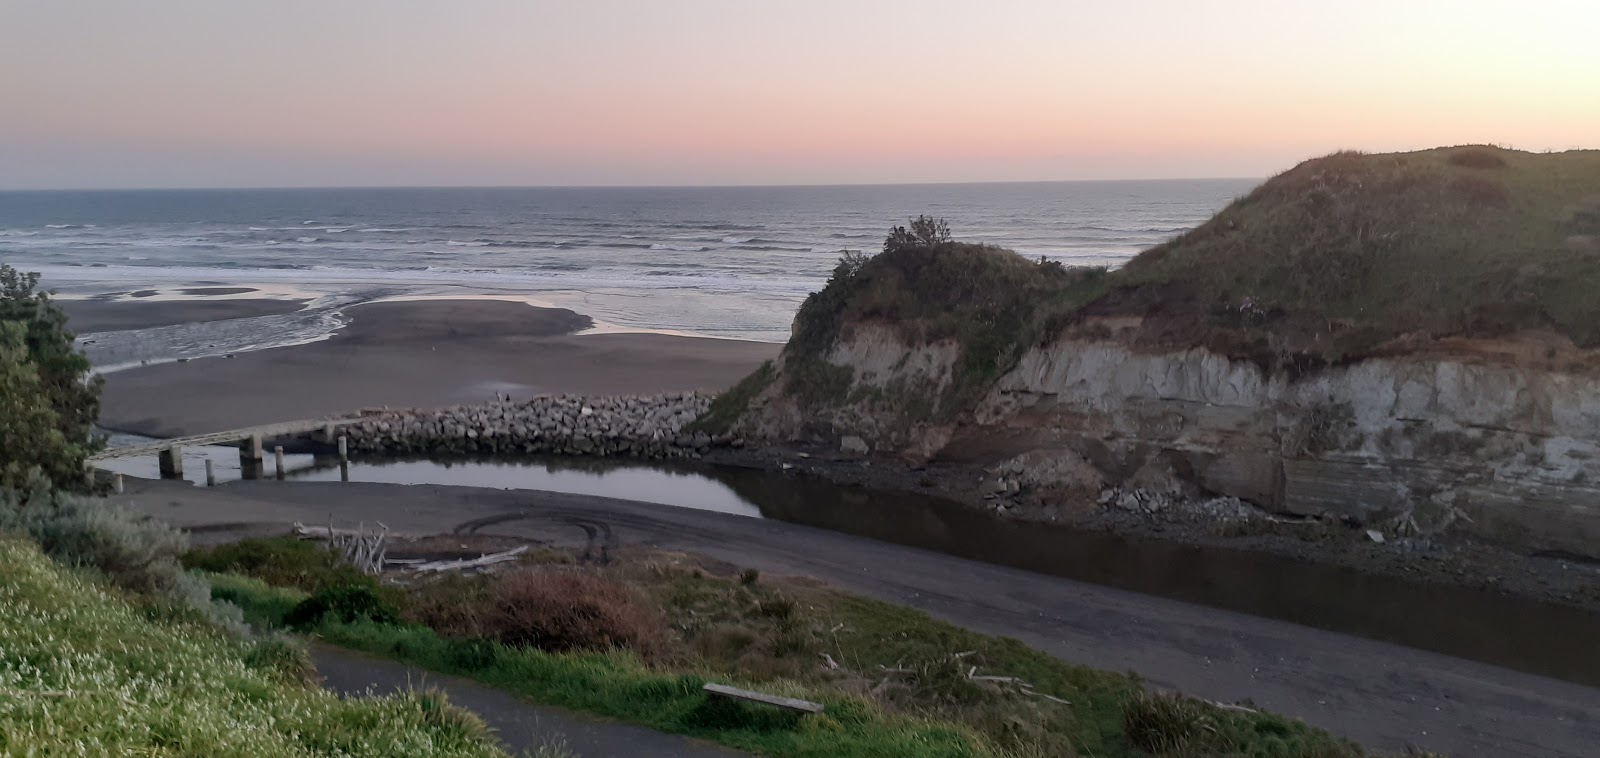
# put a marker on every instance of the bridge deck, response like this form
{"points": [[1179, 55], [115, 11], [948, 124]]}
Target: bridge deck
{"points": [[269, 431]]}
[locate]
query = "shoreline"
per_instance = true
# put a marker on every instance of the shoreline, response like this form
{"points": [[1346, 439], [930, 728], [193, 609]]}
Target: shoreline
{"points": [[419, 354]]}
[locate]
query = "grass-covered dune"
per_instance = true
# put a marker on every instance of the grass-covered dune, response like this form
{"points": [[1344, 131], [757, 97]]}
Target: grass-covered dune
{"points": [[86, 671], [1342, 254], [1339, 258]]}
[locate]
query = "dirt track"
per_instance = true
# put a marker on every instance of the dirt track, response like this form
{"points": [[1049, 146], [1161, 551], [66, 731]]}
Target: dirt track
{"points": [[1386, 696]]}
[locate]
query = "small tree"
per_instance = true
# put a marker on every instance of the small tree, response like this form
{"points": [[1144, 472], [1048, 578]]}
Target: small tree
{"points": [[48, 401], [925, 232]]}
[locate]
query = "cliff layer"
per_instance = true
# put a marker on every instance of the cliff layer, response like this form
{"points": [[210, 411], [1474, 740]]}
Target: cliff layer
{"points": [[1405, 341]]}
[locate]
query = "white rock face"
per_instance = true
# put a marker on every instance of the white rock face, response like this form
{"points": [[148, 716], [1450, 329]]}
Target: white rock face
{"points": [[1505, 452]]}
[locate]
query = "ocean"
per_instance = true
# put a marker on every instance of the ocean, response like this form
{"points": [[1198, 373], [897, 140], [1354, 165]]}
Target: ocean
{"points": [[724, 261]]}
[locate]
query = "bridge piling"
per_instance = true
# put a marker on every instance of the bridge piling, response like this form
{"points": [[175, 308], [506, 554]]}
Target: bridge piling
{"points": [[277, 458], [170, 462], [211, 473], [251, 457]]}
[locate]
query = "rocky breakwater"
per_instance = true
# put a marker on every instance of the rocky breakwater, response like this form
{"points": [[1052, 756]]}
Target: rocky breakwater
{"points": [[641, 427]]}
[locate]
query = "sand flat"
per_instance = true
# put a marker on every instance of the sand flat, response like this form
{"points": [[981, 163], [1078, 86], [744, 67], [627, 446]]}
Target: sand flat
{"points": [[419, 354], [90, 316]]}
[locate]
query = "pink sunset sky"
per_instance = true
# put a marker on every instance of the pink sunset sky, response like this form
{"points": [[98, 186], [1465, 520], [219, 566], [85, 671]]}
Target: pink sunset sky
{"points": [[205, 93]]}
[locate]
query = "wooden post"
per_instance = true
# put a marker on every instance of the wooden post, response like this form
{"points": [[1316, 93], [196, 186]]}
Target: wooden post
{"points": [[211, 473], [344, 448], [277, 458], [116, 484], [170, 461], [344, 471]]}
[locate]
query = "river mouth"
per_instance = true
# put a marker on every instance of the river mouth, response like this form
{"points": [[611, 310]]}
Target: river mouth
{"points": [[1515, 632]]}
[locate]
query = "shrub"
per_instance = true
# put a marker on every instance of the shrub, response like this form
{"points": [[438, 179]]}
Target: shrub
{"points": [[283, 561], [454, 606], [135, 553], [565, 611], [48, 401], [925, 232], [347, 604], [1476, 157]]}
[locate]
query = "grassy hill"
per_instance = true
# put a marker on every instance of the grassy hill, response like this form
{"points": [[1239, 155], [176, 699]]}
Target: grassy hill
{"points": [[83, 671], [1341, 254], [1339, 258]]}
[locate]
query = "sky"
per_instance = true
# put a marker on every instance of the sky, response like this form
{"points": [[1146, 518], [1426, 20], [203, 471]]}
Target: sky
{"points": [[243, 93]]}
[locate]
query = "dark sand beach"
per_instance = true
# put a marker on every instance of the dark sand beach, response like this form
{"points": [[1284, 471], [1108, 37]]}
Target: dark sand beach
{"points": [[424, 354], [90, 316]]}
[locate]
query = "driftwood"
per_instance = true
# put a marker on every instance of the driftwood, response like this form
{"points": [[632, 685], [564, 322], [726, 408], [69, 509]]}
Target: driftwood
{"points": [[469, 563], [1013, 683], [360, 548], [793, 704]]}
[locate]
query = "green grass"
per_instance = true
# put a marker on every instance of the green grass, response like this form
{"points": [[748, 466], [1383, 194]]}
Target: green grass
{"points": [[617, 685], [84, 671], [895, 681], [728, 406], [1343, 253]]}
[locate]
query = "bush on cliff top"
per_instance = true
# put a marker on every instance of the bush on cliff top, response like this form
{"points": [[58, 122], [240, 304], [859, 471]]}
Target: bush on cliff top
{"points": [[991, 301]]}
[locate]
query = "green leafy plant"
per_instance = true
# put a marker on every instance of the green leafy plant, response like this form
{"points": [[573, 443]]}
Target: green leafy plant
{"points": [[48, 400]]}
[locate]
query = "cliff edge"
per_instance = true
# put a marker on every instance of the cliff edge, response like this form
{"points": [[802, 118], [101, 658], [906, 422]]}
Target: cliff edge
{"points": [[1410, 341]]}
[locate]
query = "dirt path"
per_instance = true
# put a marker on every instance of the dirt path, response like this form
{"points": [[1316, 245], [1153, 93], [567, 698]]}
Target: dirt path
{"points": [[520, 725], [1386, 696]]}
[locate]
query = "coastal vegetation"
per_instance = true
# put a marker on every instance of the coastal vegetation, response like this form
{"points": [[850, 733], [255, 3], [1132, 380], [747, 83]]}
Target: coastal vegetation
{"points": [[48, 401], [87, 670], [1339, 258], [636, 638]]}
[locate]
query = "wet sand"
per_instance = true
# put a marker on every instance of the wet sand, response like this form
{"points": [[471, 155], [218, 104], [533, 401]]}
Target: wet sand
{"points": [[419, 354], [91, 316]]}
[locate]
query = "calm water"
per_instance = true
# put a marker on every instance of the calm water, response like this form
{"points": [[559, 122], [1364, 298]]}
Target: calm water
{"points": [[731, 262], [1522, 634]]}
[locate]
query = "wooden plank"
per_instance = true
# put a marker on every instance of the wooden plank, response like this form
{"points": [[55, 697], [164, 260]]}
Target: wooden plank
{"points": [[790, 703], [271, 430]]}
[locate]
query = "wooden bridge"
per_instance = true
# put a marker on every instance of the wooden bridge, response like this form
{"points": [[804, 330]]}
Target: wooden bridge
{"points": [[250, 442]]}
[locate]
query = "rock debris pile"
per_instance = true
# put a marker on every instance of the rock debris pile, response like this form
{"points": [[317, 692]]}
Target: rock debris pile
{"points": [[641, 427]]}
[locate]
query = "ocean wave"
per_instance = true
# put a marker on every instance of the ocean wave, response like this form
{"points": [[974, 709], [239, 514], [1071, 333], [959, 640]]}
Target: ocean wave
{"points": [[70, 226], [305, 239], [333, 230], [472, 243], [540, 279], [256, 228], [381, 230], [15, 233], [680, 248], [850, 235], [788, 248]]}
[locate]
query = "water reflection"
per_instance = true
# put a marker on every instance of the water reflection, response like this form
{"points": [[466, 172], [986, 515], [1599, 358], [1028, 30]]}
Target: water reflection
{"points": [[1522, 634]]}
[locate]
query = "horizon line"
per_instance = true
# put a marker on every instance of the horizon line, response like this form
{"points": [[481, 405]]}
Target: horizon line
{"points": [[216, 188]]}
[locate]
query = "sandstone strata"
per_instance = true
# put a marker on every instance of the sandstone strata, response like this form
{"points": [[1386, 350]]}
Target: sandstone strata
{"points": [[1489, 444]]}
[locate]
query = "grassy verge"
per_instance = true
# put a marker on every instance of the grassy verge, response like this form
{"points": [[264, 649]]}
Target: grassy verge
{"points": [[618, 685], [85, 671], [895, 681]]}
